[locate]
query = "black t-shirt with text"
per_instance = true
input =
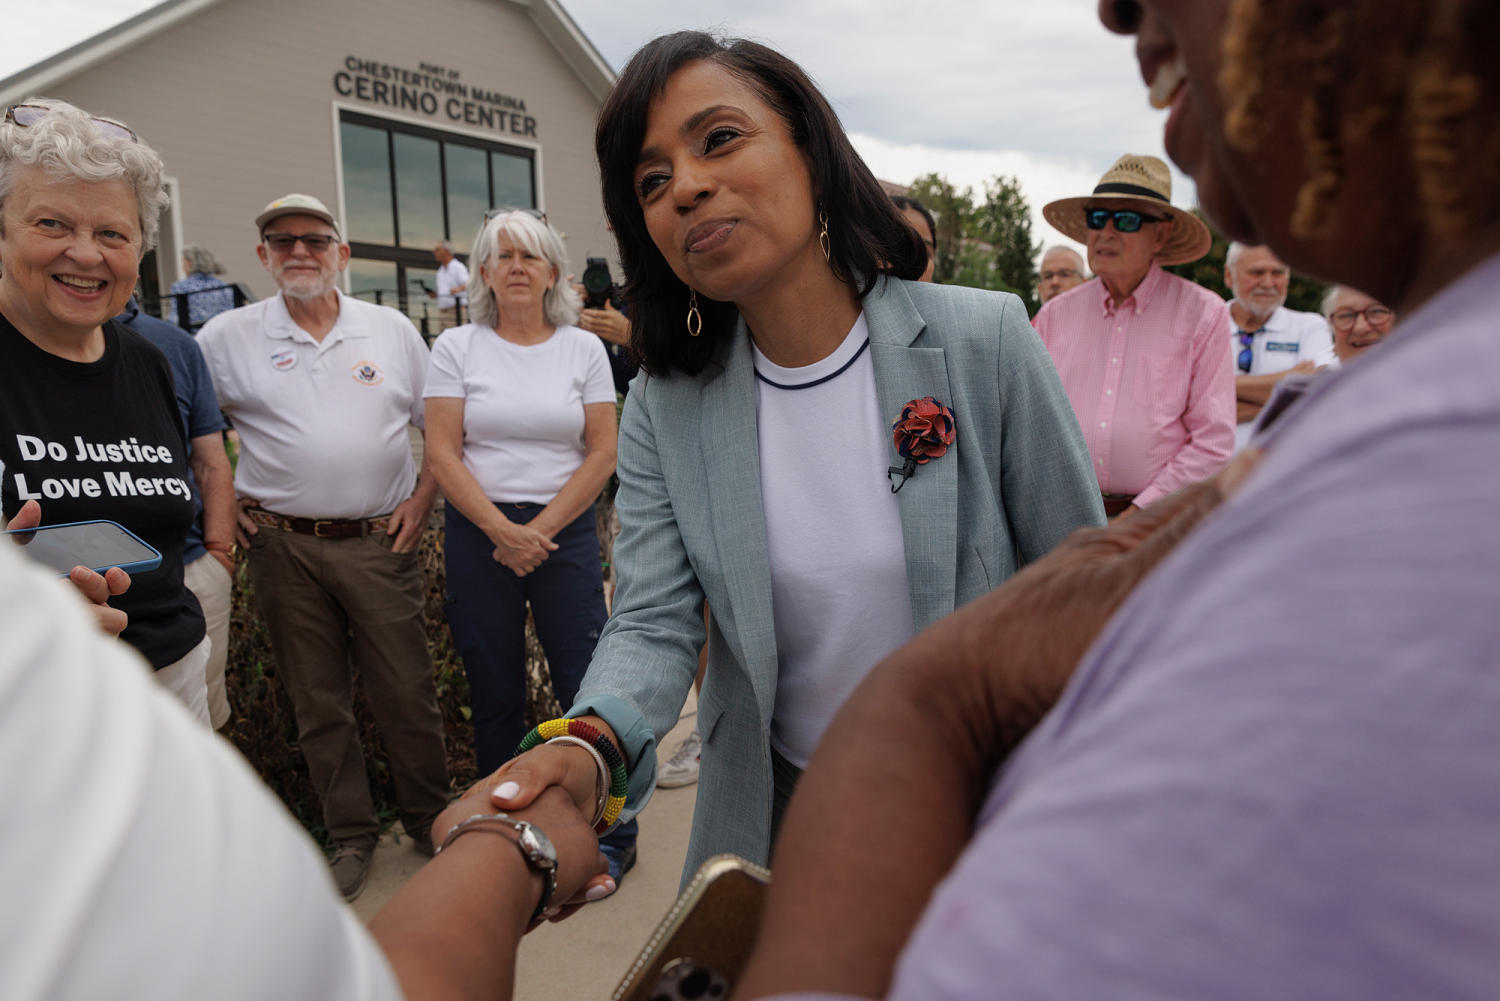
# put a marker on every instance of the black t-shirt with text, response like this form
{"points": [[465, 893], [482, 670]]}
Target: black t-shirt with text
{"points": [[103, 439]]}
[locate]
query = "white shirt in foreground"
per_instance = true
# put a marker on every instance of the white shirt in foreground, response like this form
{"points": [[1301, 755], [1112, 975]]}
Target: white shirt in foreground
{"points": [[523, 405], [146, 859], [839, 592], [323, 425]]}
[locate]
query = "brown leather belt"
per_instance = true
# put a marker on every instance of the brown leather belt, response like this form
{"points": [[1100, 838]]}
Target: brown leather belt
{"points": [[1114, 504], [322, 528]]}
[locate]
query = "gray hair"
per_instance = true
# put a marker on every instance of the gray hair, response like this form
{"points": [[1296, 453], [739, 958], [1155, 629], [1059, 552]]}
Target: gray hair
{"points": [[1063, 248], [1232, 255], [562, 301], [200, 261], [443, 245], [66, 143], [1326, 306]]}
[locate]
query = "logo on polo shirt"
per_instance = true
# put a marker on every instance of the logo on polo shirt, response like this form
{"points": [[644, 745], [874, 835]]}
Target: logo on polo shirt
{"points": [[367, 373], [283, 360]]}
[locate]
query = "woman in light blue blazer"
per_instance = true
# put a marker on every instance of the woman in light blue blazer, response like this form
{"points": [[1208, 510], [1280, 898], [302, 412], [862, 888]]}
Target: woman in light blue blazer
{"points": [[759, 467]]}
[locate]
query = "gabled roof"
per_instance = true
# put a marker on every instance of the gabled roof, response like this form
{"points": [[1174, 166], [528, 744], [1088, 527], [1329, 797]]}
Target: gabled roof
{"points": [[555, 24]]}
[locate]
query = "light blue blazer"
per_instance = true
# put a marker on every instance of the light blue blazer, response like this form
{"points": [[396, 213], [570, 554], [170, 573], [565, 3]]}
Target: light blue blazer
{"points": [[1017, 479]]}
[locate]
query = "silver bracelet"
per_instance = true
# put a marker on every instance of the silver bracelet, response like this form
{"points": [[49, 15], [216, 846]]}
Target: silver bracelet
{"points": [[535, 847], [601, 778]]}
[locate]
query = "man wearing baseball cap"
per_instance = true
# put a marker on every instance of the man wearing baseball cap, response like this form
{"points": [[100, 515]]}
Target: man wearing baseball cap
{"points": [[1141, 351], [322, 389]]}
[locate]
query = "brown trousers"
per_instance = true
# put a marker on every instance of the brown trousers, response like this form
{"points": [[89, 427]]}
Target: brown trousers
{"points": [[330, 604]]}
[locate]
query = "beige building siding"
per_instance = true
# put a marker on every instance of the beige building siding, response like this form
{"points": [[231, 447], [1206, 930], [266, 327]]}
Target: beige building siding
{"points": [[239, 99]]}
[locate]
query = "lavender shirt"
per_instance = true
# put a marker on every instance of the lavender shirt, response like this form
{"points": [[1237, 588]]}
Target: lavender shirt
{"points": [[1277, 774]]}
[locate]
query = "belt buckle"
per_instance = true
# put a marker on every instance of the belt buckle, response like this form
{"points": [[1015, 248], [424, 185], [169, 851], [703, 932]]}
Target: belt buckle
{"points": [[318, 528]]}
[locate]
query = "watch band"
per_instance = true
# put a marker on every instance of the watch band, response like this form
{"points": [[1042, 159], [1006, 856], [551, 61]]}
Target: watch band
{"points": [[535, 847]]}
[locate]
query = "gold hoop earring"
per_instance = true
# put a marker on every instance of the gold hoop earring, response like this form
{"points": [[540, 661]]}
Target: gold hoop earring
{"points": [[823, 240], [694, 318]]}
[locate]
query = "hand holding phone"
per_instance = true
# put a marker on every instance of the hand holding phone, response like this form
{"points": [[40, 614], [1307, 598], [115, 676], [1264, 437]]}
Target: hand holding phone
{"points": [[96, 588]]}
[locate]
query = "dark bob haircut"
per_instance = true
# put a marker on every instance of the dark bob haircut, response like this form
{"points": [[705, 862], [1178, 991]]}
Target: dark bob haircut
{"points": [[867, 235]]}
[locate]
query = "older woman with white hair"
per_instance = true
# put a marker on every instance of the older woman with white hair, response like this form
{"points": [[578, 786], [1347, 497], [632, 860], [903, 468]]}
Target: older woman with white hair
{"points": [[208, 294], [521, 435], [89, 424]]}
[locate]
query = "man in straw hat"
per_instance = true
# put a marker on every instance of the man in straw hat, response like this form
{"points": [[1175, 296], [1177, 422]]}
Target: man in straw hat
{"points": [[1140, 351]]}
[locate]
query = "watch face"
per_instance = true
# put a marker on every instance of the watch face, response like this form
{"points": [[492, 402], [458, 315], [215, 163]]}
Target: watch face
{"points": [[538, 848]]}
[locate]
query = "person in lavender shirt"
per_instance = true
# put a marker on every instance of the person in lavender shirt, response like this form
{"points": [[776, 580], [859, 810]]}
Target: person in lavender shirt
{"points": [[1272, 772]]}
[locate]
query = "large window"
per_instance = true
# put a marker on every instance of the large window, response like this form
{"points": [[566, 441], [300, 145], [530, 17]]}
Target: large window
{"points": [[407, 187]]}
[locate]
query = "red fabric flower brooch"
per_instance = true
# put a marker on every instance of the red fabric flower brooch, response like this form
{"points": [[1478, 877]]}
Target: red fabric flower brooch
{"points": [[922, 432]]}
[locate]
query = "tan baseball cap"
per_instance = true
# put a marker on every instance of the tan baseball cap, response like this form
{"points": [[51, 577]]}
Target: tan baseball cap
{"points": [[296, 205]]}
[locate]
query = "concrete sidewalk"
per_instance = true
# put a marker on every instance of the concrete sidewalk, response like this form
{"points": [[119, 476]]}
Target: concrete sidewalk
{"points": [[585, 956]]}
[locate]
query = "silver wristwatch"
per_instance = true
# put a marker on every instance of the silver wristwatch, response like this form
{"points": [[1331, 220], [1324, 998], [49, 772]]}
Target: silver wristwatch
{"points": [[536, 849]]}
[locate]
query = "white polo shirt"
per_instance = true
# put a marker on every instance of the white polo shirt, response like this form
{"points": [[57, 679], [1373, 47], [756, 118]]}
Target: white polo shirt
{"points": [[452, 279], [323, 426], [1289, 337]]}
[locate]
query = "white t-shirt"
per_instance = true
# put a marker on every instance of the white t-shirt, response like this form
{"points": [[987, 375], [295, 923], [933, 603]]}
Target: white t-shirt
{"points": [[145, 859], [323, 425], [523, 405], [839, 592], [451, 281], [1288, 338]]}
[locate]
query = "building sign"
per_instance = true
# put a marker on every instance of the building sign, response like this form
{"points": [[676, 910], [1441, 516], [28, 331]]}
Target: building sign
{"points": [[434, 91]]}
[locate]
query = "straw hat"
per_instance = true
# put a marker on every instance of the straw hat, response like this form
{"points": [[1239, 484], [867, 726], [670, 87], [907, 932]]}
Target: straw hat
{"points": [[1145, 181]]}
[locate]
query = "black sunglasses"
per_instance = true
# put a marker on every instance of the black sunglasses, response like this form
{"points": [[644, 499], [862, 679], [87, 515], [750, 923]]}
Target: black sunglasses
{"points": [[283, 243], [534, 213], [1126, 220], [26, 115]]}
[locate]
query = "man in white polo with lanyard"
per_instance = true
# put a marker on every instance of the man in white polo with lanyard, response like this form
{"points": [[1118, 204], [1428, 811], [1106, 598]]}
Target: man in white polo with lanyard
{"points": [[1269, 341], [322, 389]]}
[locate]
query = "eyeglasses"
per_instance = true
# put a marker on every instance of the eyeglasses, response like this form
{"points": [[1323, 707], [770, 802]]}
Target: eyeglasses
{"points": [[1247, 349], [1375, 316], [26, 115], [1047, 276], [534, 213], [283, 243], [1126, 220]]}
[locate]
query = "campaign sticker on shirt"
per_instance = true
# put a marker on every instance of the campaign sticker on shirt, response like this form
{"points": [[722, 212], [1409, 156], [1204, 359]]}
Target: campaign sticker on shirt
{"points": [[1292, 346], [367, 373], [283, 360]]}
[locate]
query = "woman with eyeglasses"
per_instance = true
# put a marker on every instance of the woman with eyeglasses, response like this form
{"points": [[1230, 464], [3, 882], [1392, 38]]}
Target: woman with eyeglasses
{"points": [[521, 437], [89, 425], [831, 456], [1358, 321]]}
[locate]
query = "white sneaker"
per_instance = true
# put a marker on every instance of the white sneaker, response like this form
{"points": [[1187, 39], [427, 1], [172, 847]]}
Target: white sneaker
{"points": [[681, 769]]}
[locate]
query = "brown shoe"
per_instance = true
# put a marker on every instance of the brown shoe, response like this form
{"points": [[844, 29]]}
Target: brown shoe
{"points": [[351, 867]]}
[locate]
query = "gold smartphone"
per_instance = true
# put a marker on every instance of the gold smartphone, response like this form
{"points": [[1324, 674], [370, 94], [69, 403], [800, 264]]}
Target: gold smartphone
{"points": [[702, 945]]}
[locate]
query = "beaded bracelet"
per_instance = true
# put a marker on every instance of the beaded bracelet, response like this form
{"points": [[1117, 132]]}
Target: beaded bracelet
{"points": [[619, 780]]}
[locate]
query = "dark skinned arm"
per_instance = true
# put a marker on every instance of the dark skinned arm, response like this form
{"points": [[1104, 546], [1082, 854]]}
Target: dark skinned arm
{"points": [[888, 801]]}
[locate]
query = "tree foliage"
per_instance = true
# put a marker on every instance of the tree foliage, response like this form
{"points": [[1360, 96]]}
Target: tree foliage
{"points": [[982, 244]]}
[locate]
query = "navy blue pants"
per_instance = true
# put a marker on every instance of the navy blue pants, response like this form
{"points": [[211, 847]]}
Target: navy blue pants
{"points": [[486, 609]]}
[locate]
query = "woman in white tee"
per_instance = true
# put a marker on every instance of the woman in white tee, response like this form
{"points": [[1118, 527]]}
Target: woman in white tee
{"points": [[521, 433]]}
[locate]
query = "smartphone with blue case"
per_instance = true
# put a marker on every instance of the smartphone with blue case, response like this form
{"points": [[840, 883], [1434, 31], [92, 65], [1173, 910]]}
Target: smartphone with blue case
{"points": [[97, 545]]}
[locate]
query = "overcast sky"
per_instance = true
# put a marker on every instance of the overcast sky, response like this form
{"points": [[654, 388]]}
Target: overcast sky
{"points": [[968, 89]]}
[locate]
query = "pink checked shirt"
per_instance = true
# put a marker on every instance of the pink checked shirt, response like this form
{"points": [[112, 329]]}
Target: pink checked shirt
{"points": [[1149, 381]]}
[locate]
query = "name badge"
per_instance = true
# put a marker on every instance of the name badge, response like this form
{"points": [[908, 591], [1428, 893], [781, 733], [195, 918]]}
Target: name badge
{"points": [[1291, 346]]}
